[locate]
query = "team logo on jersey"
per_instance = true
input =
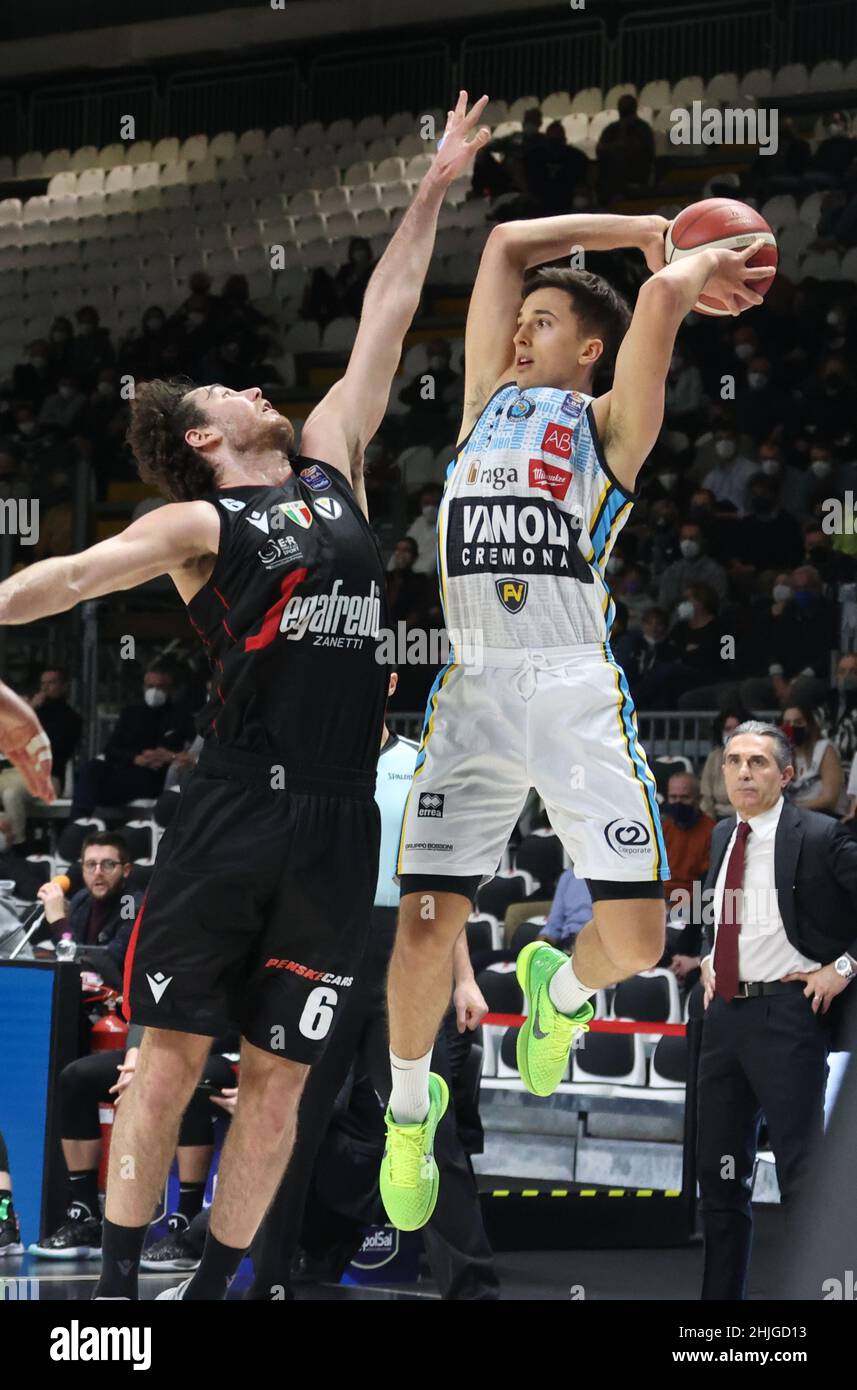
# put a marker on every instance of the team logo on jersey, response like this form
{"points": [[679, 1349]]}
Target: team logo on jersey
{"points": [[557, 440], [512, 593], [549, 478], [315, 477], [573, 405], [298, 512], [494, 476], [279, 551], [431, 804], [232, 504], [628, 838], [329, 507], [521, 409]]}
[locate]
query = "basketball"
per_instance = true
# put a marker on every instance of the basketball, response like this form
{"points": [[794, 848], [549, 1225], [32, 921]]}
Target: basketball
{"points": [[717, 223]]}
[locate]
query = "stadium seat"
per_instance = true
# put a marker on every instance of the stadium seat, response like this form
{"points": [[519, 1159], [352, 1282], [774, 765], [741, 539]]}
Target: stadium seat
{"points": [[810, 209], [352, 153], [514, 886], [166, 151], [688, 90], [381, 149], [507, 1059], [611, 98], [650, 997], [342, 225], [222, 145], [541, 855], [140, 152], [603, 1061], [790, 80], [416, 466], [83, 158], [303, 336], [358, 173], [251, 142], [779, 211], [589, 100], [500, 989], [668, 1065], [400, 124], [576, 127], [55, 161], [341, 131], [758, 82], [308, 135], [334, 199], [480, 933], [409, 145], [821, 265], [393, 195], [556, 105], [194, 148], [389, 170], [369, 128], [525, 932], [656, 94]]}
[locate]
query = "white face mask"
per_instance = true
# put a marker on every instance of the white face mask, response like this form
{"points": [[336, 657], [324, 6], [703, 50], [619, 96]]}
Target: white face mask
{"points": [[822, 468], [726, 448], [66, 392], [781, 593], [770, 467], [685, 610], [835, 318], [615, 565], [668, 480], [105, 388], [154, 697], [756, 380], [744, 351], [689, 549], [649, 640]]}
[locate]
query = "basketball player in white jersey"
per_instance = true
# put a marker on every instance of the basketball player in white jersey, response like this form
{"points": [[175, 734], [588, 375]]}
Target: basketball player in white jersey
{"points": [[542, 482]]}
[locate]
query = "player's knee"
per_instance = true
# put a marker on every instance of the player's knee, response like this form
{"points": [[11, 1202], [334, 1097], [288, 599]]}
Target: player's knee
{"points": [[424, 929], [165, 1079], [273, 1087]]}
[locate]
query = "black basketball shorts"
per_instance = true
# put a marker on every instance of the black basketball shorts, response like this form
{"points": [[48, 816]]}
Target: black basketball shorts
{"points": [[258, 909]]}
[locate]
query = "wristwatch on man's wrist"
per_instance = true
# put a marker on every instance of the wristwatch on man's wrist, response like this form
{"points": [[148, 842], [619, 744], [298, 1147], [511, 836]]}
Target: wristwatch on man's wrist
{"points": [[844, 966]]}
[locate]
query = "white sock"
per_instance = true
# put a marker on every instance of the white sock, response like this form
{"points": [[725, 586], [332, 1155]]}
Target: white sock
{"points": [[409, 1098], [566, 992]]}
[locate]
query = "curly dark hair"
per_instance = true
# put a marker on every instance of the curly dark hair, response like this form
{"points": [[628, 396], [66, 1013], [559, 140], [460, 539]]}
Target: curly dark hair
{"points": [[601, 310], [160, 415]]}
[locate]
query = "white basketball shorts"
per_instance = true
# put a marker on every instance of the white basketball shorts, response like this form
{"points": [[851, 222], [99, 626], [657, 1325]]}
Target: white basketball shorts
{"points": [[560, 720]]}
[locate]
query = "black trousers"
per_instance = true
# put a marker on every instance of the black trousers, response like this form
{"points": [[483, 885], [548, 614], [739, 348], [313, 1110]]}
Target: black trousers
{"points": [[456, 1245], [758, 1056], [85, 1083]]}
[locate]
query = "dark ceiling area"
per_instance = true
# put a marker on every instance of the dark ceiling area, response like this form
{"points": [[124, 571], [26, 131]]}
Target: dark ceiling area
{"points": [[38, 18]]}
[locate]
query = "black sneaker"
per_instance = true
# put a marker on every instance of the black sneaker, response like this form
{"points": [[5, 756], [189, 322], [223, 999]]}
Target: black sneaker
{"points": [[10, 1231], [79, 1238], [173, 1251]]}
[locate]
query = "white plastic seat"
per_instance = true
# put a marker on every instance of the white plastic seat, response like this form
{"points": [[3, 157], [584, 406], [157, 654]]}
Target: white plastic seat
{"points": [[373, 222], [556, 105], [688, 90], [311, 133], [395, 195], [369, 128], [418, 167], [63, 183], [360, 172], [600, 122], [576, 127], [810, 209], [780, 211], [332, 200], [222, 145], [303, 336], [758, 82], [656, 94], [111, 155], [790, 80], [390, 170], [84, 157], [166, 150], [250, 142], [56, 161], [494, 113], [194, 148], [304, 204], [29, 165], [382, 148], [399, 124], [310, 228], [621, 89], [201, 171], [341, 131], [341, 225], [369, 195], [90, 181], [723, 87], [118, 178]]}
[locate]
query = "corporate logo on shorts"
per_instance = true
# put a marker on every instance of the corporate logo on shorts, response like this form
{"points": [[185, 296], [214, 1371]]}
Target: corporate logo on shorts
{"points": [[573, 405], [315, 477], [512, 593], [158, 984], [324, 978], [380, 1246], [335, 619], [557, 440], [628, 838], [431, 804], [521, 409], [328, 507], [519, 534], [282, 550], [548, 477], [495, 477]]}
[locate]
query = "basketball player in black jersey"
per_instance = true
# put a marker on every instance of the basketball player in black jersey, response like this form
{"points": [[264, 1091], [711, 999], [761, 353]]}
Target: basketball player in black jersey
{"points": [[256, 912]]}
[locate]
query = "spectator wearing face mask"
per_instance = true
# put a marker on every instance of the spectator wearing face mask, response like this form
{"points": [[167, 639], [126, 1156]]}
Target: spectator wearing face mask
{"points": [[61, 346], [650, 661], [432, 395], [632, 585], [714, 798], [792, 486], [684, 392], [141, 354], [835, 153], [62, 724], [762, 406], [56, 527], [662, 539], [65, 406], [407, 589], [687, 835], [833, 567], [146, 739], [824, 478], [797, 640], [340, 296], [768, 538], [697, 633], [730, 477], [424, 529], [91, 348], [694, 567], [36, 378], [14, 481], [818, 783], [830, 399]]}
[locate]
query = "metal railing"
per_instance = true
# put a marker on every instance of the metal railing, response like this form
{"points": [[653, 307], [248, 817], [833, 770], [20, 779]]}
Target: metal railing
{"points": [[820, 29], [248, 98], [67, 116], [731, 36], [560, 58], [415, 77]]}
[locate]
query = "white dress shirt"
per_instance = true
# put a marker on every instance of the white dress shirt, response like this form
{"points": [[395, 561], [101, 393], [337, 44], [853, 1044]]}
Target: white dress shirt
{"points": [[764, 950]]}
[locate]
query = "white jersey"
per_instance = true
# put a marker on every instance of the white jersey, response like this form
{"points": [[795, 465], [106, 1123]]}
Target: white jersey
{"points": [[529, 515]]}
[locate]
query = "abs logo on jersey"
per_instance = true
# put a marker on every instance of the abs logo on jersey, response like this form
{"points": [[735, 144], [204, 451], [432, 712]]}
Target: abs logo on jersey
{"points": [[521, 409], [557, 440], [281, 551], [494, 476], [315, 477], [512, 593], [328, 507], [550, 478], [431, 804], [629, 839], [298, 512], [573, 405]]}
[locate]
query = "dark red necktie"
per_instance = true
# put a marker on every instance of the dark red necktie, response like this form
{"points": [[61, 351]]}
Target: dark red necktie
{"points": [[729, 926]]}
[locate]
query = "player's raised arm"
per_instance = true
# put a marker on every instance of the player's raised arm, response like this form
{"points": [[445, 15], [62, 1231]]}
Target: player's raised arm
{"points": [[630, 415], [158, 543], [342, 424], [511, 249]]}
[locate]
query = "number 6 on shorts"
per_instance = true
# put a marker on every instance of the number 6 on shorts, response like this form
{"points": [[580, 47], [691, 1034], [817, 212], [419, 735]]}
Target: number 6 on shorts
{"points": [[317, 1016]]}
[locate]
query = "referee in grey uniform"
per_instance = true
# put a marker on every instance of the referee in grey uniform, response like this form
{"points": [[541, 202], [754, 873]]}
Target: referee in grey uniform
{"points": [[784, 885], [456, 1245]]}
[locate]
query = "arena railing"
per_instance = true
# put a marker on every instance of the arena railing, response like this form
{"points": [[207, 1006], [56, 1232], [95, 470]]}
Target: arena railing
{"points": [[244, 97], [679, 42], [559, 57], [69, 115], [383, 81]]}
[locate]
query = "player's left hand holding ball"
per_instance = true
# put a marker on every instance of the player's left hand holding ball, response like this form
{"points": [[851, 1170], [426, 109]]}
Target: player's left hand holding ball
{"points": [[25, 744], [454, 149]]}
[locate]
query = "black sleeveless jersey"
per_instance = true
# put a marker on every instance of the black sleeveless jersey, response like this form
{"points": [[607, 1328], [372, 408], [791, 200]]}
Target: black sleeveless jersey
{"points": [[290, 619]]}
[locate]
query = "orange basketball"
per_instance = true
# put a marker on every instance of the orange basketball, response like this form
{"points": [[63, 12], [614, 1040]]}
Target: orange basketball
{"points": [[717, 223]]}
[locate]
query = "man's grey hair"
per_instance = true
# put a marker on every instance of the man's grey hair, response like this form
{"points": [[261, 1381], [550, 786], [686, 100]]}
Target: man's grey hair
{"points": [[782, 747]]}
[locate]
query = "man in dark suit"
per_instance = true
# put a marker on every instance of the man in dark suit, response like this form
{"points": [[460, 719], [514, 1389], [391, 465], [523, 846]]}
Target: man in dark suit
{"points": [[781, 948]]}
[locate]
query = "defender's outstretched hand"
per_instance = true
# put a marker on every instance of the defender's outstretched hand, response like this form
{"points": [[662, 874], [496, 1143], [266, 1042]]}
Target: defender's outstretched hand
{"points": [[454, 150], [25, 744]]}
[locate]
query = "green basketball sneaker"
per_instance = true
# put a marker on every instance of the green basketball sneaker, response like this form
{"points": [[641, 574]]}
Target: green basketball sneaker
{"points": [[409, 1176], [545, 1038]]}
